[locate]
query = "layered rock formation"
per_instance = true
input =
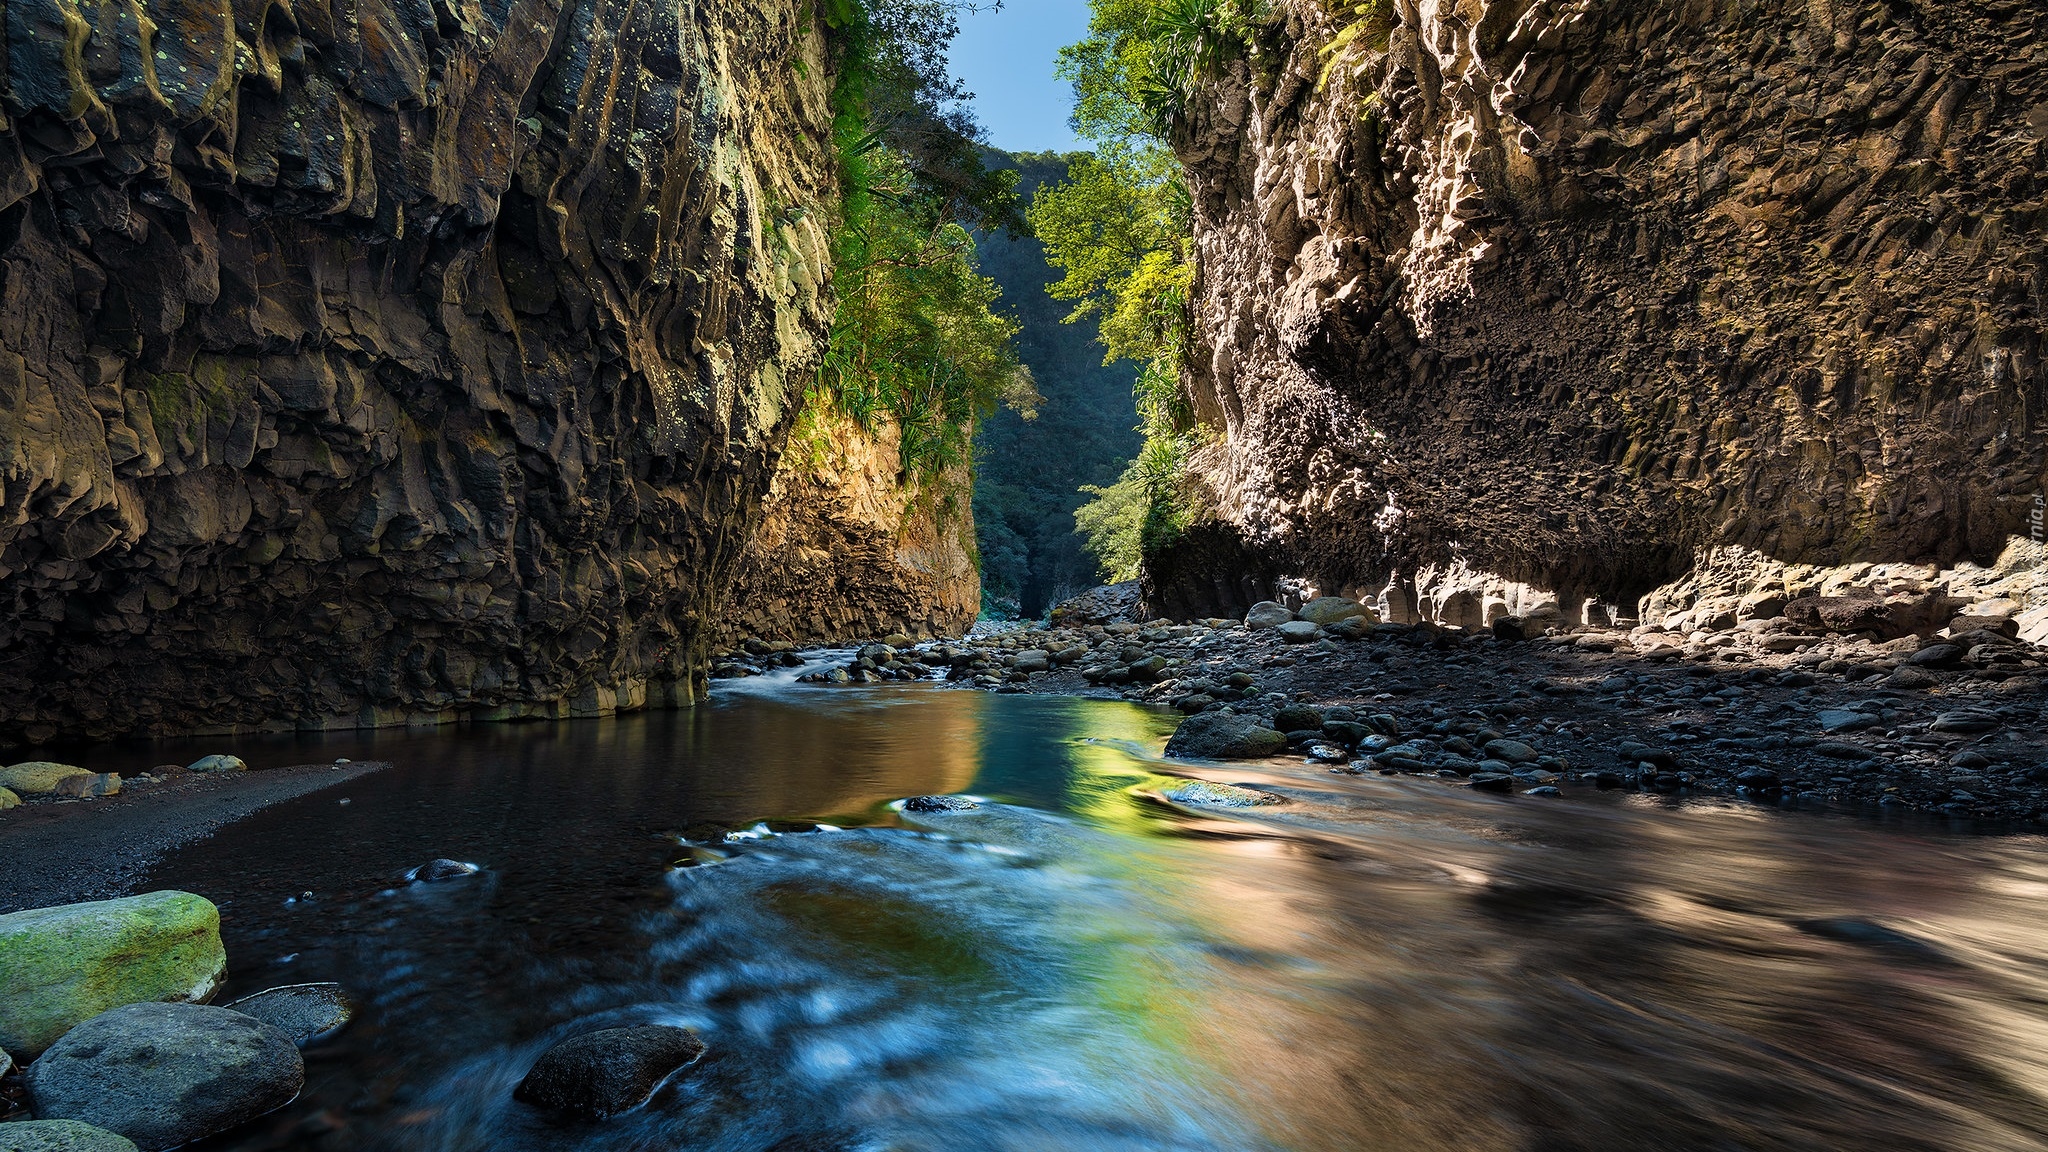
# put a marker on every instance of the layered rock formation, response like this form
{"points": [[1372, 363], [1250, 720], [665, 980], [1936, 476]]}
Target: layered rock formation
{"points": [[392, 360], [848, 547], [1549, 296]]}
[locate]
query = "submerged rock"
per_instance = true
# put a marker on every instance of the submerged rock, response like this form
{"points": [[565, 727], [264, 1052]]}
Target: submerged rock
{"points": [[1220, 735], [1210, 795], [442, 869], [165, 1075], [305, 1012], [930, 804], [62, 966], [60, 1136], [602, 1074]]}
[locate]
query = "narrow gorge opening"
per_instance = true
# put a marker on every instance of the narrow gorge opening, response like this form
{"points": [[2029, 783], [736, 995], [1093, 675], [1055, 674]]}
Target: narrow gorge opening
{"points": [[1166, 575]]}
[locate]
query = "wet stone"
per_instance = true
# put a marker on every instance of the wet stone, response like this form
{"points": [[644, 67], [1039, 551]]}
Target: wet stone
{"points": [[1202, 792], [927, 805], [605, 1073], [435, 871], [305, 1012]]}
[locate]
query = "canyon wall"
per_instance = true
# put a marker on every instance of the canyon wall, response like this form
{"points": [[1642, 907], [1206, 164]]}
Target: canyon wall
{"points": [[1513, 300], [394, 360], [849, 548]]}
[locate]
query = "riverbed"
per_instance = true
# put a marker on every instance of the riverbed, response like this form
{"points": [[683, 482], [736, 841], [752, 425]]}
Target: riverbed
{"points": [[1080, 963]]}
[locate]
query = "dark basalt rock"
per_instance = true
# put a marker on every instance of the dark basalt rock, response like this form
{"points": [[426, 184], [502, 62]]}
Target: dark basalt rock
{"points": [[930, 804], [434, 871], [358, 345], [1224, 736], [164, 1075], [602, 1074], [305, 1012], [1495, 338], [60, 1136]]}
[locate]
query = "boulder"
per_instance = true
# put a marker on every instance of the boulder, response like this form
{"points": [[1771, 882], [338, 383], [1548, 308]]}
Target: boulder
{"points": [[1841, 614], [1350, 628], [1223, 735], [434, 871], [217, 763], [1297, 718], [60, 1136], [9, 799], [1761, 605], [304, 1012], [62, 966], [1033, 660], [927, 805], [165, 1075], [1202, 792], [1511, 751], [602, 1074], [1267, 614], [1330, 609], [1299, 632], [37, 777], [88, 785]]}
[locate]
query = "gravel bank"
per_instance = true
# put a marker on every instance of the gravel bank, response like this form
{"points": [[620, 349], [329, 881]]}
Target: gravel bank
{"points": [[95, 849]]}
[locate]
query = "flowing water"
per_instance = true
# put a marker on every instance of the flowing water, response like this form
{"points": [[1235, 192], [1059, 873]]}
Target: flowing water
{"points": [[1376, 964]]}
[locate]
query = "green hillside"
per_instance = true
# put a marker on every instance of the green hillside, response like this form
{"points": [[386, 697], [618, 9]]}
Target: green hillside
{"points": [[1030, 471]]}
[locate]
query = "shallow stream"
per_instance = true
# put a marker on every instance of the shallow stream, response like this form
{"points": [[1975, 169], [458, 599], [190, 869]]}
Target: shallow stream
{"points": [[1376, 964]]}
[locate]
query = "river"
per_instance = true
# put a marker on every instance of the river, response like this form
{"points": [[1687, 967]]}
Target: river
{"points": [[1375, 964]]}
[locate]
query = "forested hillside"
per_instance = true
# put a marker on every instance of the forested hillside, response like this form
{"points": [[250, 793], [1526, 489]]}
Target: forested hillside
{"points": [[1031, 471]]}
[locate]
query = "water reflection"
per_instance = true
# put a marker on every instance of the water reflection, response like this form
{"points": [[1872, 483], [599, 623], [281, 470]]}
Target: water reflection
{"points": [[1375, 964]]}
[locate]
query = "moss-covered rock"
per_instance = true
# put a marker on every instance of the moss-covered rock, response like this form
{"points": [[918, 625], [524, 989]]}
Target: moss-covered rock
{"points": [[37, 777], [62, 966], [9, 799]]}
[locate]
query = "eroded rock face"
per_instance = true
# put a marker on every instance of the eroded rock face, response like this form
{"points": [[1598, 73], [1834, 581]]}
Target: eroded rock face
{"points": [[1558, 292], [389, 360], [848, 547]]}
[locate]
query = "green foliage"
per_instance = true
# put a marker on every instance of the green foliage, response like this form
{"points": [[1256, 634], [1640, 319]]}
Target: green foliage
{"points": [[1371, 28], [1120, 228], [1029, 473], [915, 339]]}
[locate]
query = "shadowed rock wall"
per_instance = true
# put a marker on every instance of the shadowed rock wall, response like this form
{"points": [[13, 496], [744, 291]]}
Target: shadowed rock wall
{"points": [[391, 360], [847, 550], [1565, 291]]}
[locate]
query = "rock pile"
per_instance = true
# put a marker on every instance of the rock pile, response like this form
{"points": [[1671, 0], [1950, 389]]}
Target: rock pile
{"points": [[108, 998]]}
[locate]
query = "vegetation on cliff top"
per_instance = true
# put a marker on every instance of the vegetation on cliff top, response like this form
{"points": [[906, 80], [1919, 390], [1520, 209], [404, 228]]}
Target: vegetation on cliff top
{"points": [[1120, 227], [916, 340]]}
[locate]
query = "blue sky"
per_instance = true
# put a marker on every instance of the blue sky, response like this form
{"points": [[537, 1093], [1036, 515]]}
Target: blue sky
{"points": [[1006, 59]]}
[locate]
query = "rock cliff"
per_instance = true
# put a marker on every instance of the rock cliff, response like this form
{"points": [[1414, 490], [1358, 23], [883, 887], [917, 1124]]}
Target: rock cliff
{"points": [[1541, 299], [398, 359], [848, 548]]}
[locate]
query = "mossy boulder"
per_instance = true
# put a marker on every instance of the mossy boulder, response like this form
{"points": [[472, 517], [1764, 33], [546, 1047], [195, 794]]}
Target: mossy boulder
{"points": [[9, 799], [37, 777], [62, 966]]}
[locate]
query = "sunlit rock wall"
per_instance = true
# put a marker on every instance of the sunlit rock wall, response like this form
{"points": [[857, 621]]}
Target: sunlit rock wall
{"points": [[1547, 297], [391, 360], [851, 548]]}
